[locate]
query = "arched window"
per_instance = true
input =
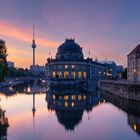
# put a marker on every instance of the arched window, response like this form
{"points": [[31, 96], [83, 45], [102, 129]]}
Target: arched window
{"points": [[73, 75], [66, 74], [79, 74], [54, 74]]}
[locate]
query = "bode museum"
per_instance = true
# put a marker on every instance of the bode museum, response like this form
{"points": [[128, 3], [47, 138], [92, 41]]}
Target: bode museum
{"points": [[70, 65]]}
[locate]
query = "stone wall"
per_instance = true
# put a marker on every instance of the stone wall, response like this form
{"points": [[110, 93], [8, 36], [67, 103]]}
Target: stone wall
{"points": [[122, 89]]}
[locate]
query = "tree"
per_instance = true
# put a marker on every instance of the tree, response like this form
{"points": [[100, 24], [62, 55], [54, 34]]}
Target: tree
{"points": [[3, 60]]}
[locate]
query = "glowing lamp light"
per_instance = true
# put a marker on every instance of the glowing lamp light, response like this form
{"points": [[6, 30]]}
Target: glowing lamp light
{"points": [[72, 104], [66, 104], [135, 127], [134, 70]]}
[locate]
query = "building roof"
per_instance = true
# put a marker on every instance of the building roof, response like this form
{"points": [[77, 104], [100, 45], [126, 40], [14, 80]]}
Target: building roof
{"points": [[69, 50], [136, 50]]}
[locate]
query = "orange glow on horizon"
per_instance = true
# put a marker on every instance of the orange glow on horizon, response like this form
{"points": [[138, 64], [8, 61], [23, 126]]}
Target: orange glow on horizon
{"points": [[23, 35], [23, 58]]}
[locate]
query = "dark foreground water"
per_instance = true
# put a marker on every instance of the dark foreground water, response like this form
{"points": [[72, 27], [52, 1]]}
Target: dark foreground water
{"points": [[72, 116]]}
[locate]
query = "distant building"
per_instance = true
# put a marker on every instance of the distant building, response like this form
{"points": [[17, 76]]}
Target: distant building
{"points": [[38, 70], [133, 62], [70, 65], [10, 64], [120, 70], [111, 68]]}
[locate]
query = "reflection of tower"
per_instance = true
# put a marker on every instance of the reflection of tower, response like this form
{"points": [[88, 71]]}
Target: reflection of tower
{"points": [[33, 46], [34, 109]]}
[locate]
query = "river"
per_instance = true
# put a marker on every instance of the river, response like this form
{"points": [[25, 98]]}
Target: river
{"points": [[65, 115]]}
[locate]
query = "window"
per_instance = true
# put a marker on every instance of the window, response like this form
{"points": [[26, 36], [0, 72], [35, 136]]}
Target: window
{"points": [[79, 97], [66, 97], [66, 66], [73, 75], [73, 97], [72, 66], [54, 74], [79, 74], [84, 97], [59, 74], [72, 104], [66, 104], [53, 96], [85, 75], [66, 74]]}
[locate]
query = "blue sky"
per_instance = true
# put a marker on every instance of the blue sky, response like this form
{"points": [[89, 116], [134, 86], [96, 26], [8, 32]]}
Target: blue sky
{"points": [[108, 28]]}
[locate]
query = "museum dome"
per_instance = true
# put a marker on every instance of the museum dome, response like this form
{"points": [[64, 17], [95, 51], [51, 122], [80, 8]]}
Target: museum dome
{"points": [[69, 50]]}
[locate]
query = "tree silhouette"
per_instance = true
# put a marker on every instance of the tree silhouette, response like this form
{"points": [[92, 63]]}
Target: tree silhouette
{"points": [[3, 59]]}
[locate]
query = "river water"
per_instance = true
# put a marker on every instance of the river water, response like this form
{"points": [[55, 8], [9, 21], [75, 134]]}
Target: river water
{"points": [[34, 114]]}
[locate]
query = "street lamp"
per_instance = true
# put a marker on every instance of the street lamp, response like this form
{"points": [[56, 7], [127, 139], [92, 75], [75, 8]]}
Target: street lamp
{"points": [[135, 75]]}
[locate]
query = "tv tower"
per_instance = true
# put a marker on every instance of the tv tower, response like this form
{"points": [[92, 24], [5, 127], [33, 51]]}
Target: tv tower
{"points": [[33, 46]]}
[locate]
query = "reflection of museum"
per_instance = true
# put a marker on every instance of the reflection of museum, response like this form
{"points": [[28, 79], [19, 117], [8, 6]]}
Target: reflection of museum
{"points": [[70, 64], [69, 107]]}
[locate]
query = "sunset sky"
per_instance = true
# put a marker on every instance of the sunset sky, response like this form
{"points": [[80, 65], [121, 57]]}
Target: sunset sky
{"points": [[108, 28]]}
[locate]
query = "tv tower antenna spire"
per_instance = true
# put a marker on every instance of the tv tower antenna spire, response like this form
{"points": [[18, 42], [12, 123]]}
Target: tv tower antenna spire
{"points": [[33, 46]]}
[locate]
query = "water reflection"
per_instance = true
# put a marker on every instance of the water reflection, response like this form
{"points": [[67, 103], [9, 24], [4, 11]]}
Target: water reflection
{"points": [[69, 105], [68, 110], [132, 109], [3, 125], [26, 88]]}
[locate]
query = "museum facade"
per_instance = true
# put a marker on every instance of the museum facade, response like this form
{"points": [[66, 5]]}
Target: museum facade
{"points": [[69, 64]]}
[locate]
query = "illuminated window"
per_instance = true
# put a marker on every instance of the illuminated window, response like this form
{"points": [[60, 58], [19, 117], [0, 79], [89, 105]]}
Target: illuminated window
{"points": [[84, 97], [53, 96], [72, 66], [72, 104], [54, 74], [66, 66], [66, 104], [73, 75], [79, 74], [73, 97], [79, 97], [66, 74], [60, 74], [85, 75], [66, 97]]}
